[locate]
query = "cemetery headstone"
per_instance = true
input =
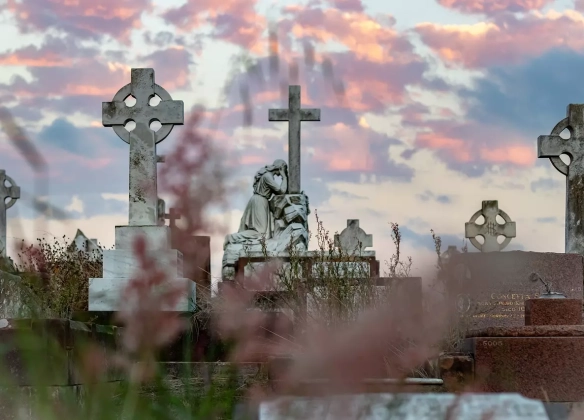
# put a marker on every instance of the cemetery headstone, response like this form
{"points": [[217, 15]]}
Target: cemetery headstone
{"points": [[406, 406], [81, 243], [120, 264], [489, 289], [8, 189], [172, 217], [490, 230], [540, 359], [552, 147], [353, 239]]}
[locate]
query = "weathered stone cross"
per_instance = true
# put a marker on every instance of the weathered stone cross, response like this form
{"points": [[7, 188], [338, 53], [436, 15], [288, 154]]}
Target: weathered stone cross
{"points": [[172, 216], [491, 229], [294, 115], [552, 147], [142, 139], [11, 191]]}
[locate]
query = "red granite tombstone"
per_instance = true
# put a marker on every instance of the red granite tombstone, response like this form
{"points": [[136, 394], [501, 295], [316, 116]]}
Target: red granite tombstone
{"points": [[542, 360], [489, 289]]}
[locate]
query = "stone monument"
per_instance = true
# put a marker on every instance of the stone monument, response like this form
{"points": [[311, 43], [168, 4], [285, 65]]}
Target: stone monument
{"points": [[552, 147], [11, 191], [276, 216], [120, 264], [491, 229]]}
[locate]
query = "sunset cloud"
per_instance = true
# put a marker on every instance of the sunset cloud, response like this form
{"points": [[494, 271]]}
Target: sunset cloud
{"points": [[489, 7], [234, 21], [507, 40], [87, 19]]}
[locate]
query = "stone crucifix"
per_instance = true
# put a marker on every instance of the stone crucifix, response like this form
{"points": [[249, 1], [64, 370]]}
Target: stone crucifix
{"points": [[142, 139], [491, 229], [8, 189], [552, 147], [173, 215], [294, 115]]}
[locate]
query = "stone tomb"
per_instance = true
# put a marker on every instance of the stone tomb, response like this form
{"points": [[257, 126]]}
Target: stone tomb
{"points": [[406, 406], [489, 289]]}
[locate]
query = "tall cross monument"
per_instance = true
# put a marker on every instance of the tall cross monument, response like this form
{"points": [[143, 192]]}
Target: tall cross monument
{"points": [[121, 264], [294, 115], [552, 147], [142, 139]]}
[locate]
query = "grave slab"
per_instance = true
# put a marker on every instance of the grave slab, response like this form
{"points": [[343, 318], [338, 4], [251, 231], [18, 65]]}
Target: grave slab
{"points": [[489, 289], [406, 406]]}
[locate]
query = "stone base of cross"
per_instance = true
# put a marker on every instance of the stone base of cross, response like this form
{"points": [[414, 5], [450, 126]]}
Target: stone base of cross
{"points": [[491, 229]]}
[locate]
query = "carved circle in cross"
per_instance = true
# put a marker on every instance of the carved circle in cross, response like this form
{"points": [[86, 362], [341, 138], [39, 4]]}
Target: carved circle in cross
{"points": [[556, 131], [11, 187], [491, 229], [124, 93]]}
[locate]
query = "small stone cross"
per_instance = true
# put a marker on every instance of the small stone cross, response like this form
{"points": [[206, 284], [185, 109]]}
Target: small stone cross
{"points": [[491, 229], [552, 147], [172, 216], [142, 139], [353, 238], [11, 191], [294, 115]]}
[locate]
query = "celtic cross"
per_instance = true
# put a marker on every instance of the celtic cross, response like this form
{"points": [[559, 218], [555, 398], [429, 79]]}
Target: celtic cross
{"points": [[8, 189], [142, 139], [552, 147], [294, 115], [491, 229]]}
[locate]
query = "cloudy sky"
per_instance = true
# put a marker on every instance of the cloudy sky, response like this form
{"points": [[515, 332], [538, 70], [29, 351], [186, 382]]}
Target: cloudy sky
{"points": [[428, 107]]}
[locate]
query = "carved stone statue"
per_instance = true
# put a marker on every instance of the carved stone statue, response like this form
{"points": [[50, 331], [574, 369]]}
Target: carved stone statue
{"points": [[257, 220], [272, 218]]}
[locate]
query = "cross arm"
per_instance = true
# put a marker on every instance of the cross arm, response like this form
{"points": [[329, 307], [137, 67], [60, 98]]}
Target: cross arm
{"points": [[118, 113], [554, 146], [310, 114], [507, 230], [278, 115]]}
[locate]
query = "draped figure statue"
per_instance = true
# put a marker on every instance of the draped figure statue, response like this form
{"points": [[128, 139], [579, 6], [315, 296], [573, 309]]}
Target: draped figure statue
{"points": [[257, 220]]}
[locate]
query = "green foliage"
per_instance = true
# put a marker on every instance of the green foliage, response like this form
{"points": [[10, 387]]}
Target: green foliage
{"points": [[54, 278]]}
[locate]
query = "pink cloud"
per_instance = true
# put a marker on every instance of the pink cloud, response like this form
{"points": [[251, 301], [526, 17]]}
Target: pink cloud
{"points": [[81, 18], [235, 21], [494, 6], [472, 143], [363, 35], [175, 61], [348, 5], [508, 40]]}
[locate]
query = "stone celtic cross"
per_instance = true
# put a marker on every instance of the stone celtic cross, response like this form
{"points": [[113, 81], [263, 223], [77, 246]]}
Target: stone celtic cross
{"points": [[353, 238], [142, 139], [491, 229], [552, 147], [8, 189], [294, 115]]}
